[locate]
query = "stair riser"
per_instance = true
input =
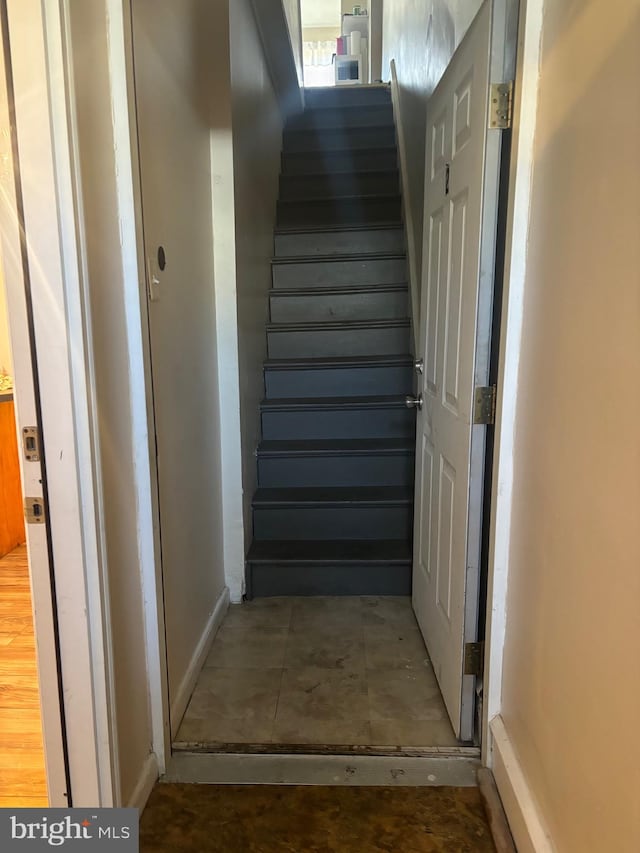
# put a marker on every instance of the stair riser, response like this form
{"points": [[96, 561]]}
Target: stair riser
{"points": [[335, 212], [361, 470], [335, 273], [315, 523], [343, 97], [362, 423], [390, 305], [327, 186], [348, 381], [365, 116], [330, 579], [339, 139], [345, 162], [390, 240], [311, 343]]}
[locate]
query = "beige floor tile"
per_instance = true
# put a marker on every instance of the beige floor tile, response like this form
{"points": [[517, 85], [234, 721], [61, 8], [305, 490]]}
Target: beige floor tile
{"points": [[396, 647], [388, 610], [248, 648], [339, 648], [310, 731], [235, 694], [407, 733], [326, 612], [260, 613], [404, 695], [321, 695], [217, 730]]}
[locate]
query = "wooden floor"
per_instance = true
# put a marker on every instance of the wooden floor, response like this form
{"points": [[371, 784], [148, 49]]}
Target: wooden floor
{"points": [[22, 774]]}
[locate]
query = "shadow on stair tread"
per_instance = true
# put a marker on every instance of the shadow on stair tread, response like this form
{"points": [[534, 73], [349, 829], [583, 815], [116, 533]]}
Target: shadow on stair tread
{"points": [[322, 551]]}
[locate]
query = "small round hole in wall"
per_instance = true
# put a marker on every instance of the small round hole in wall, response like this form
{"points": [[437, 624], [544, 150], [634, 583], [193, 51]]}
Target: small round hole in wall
{"points": [[162, 258]]}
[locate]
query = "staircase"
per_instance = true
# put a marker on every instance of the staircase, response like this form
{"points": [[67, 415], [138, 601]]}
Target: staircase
{"points": [[333, 511]]}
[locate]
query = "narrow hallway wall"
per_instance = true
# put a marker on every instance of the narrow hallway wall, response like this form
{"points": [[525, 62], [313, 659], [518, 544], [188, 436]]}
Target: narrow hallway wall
{"points": [[571, 681], [257, 141]]}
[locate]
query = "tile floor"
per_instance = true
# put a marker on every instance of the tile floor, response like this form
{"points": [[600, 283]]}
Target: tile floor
{"points": [[346, 671]]}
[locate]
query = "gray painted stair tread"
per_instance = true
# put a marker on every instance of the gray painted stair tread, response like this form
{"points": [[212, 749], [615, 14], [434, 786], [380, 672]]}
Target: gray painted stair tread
{"points": [[343, 257], [357, 173], [346, 325], [323, 551], [286, 404], [339, 290], [339, 495], [337, 361], [332, 128], [332, 229], [289, 230], [333, 447], [323, 199]]}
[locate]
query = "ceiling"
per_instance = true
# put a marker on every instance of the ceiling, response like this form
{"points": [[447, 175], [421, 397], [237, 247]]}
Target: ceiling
{"points": [[321, 13]]}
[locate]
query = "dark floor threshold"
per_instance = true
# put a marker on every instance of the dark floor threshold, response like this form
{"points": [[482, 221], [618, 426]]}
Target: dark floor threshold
{"points": [[466, 750]]}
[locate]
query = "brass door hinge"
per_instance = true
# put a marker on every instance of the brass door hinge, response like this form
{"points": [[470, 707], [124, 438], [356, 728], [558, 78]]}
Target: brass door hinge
{"points": [[474, 659], [500, 105], [484, 404], [34, 511]]}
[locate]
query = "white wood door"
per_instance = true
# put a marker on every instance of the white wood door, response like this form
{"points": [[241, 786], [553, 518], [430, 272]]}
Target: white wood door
{"points": [[173, 98], [461, 183]]}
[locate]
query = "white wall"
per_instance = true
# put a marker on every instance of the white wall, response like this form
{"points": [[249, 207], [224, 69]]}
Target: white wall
{"points": [[294, 24], [571, 681], [257, 142], [113, 387]]}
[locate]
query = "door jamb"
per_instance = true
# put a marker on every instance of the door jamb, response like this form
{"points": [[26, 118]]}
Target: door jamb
{"points": [[127, 169], [32, 473], [40, 122], [518, 216]]}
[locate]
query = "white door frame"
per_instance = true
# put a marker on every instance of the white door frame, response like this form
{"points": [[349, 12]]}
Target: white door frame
{"points": [[518, 216], [50, 271], [62, 343]]}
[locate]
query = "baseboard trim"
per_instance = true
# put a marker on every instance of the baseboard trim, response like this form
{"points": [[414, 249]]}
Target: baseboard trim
{"points": [[148, 778], [179, 704], [407, 210], [525, 821]]}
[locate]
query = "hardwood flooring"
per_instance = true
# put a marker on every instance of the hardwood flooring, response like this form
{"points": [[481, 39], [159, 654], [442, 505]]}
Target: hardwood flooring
{"points": [[22, 773]]}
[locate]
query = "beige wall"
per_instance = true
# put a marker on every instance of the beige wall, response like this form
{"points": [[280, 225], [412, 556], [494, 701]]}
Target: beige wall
{"points": [[5, 345], [571, 689], [257, 141]]}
